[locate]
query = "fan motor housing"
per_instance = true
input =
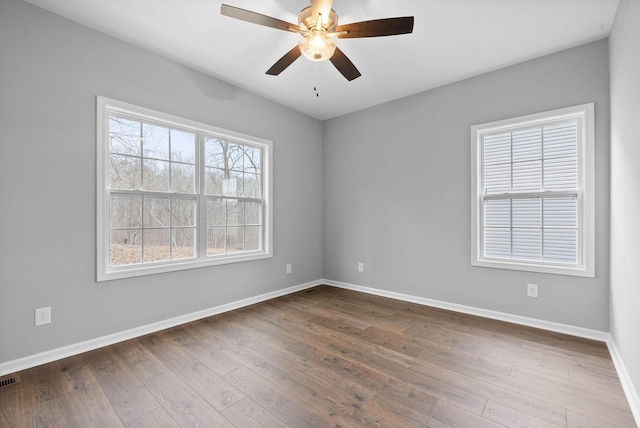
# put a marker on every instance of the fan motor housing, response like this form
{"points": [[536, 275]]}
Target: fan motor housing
{"points": [[328, 24]]}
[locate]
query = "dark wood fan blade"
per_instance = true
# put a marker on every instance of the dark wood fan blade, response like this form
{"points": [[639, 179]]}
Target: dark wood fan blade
{"points": [[257, 18], [377, 28], [285, 61], [344, 65]]}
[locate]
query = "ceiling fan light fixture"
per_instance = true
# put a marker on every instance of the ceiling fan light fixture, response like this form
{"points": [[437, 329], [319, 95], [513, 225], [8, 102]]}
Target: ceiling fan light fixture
{"points": [[318, 26], [317, 46]]}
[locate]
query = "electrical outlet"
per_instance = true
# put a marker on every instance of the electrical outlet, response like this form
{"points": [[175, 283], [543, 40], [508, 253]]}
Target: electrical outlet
{"points": [[288, 267], [43, 316], [360, 267], [532, 290]]}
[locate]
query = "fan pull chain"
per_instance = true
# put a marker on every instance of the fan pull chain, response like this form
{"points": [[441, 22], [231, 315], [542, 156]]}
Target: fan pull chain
{"points": [[315, 79]]}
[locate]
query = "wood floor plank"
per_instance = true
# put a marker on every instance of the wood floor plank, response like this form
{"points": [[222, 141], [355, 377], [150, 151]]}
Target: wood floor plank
{"points": [[157, 418], [211, 387], [283, 405], [184, 405], [141, 362], [121, 383], [507, 416], [577, 420], [608, 383], [453, 416], [332, 398], [604, 407], [329, 357], [248, 413], [86, 407]]}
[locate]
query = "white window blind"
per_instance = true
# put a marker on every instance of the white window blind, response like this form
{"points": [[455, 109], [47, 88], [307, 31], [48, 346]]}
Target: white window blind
{"points": [[531, 192]]}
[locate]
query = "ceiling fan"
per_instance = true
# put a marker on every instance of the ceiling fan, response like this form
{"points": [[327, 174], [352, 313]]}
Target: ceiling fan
{"points": [[318, 26]]}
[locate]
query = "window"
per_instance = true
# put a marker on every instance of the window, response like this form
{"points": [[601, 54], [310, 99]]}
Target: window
{"points": [[532, 193], [176, 194]]}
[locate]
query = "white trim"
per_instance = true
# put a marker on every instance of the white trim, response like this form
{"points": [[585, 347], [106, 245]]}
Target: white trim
{"points": [[586, 178], [99, 342], [627, 384], [67, 351], [105, 106], [485, 313]]}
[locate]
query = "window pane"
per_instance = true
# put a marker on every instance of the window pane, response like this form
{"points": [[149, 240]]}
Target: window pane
{"points": [[124, 136], [124, 172], [126, 211], [235, 213], [234, 156], [216, 213], [527, 176], [213, 181], [527, 244], [214, 153], [216, 239], [561, 173], [496, 149], [183, 146], [156, 212], [497, 212], [497, 243], [527, 212], [253, 213], [125, 247], [252, 186], [183, 243], [155, 175], [561, 140], [183, 178], [251, 238], [527, 145], [223, 154], [156, 245], [561, 212], [561, 246], [232, 185], [235, 239], [497, 178], [252, 160], [183, 212], [155, 142]]}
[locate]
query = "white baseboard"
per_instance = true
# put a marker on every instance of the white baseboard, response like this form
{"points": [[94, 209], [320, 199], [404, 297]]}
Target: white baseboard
{"points": [[470, 310], [627, 385], [99, 342], [630, 391], [89, 345]]}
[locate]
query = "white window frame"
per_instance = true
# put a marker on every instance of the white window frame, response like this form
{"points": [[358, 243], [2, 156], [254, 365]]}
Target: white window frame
{"points": [[586, 192], [106, 107]]}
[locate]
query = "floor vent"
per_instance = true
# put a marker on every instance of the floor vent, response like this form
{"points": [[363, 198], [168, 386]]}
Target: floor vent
{"points": [[8, 381]]}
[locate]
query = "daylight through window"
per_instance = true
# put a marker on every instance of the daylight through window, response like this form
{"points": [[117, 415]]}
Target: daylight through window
{"points": [[175, 194]]}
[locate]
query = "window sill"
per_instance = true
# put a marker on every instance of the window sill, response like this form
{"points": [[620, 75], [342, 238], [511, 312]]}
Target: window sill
{"points": [[527, 267], [162, 267]]}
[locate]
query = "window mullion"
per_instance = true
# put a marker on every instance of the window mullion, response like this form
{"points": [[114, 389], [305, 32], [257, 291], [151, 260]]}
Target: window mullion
{"points": [[511, 196], [202, 200]]}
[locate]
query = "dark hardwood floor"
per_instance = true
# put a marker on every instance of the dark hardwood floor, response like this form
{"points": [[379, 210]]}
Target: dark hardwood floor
{"points": [[328, 357]]}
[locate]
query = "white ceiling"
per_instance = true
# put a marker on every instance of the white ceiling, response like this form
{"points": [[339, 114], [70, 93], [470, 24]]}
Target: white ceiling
{"points": [[451, 40]]}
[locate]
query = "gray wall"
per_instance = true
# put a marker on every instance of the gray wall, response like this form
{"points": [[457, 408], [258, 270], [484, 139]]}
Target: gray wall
{"points": [[50, 73], [396, 187], [397, 190], [625, 186]]}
